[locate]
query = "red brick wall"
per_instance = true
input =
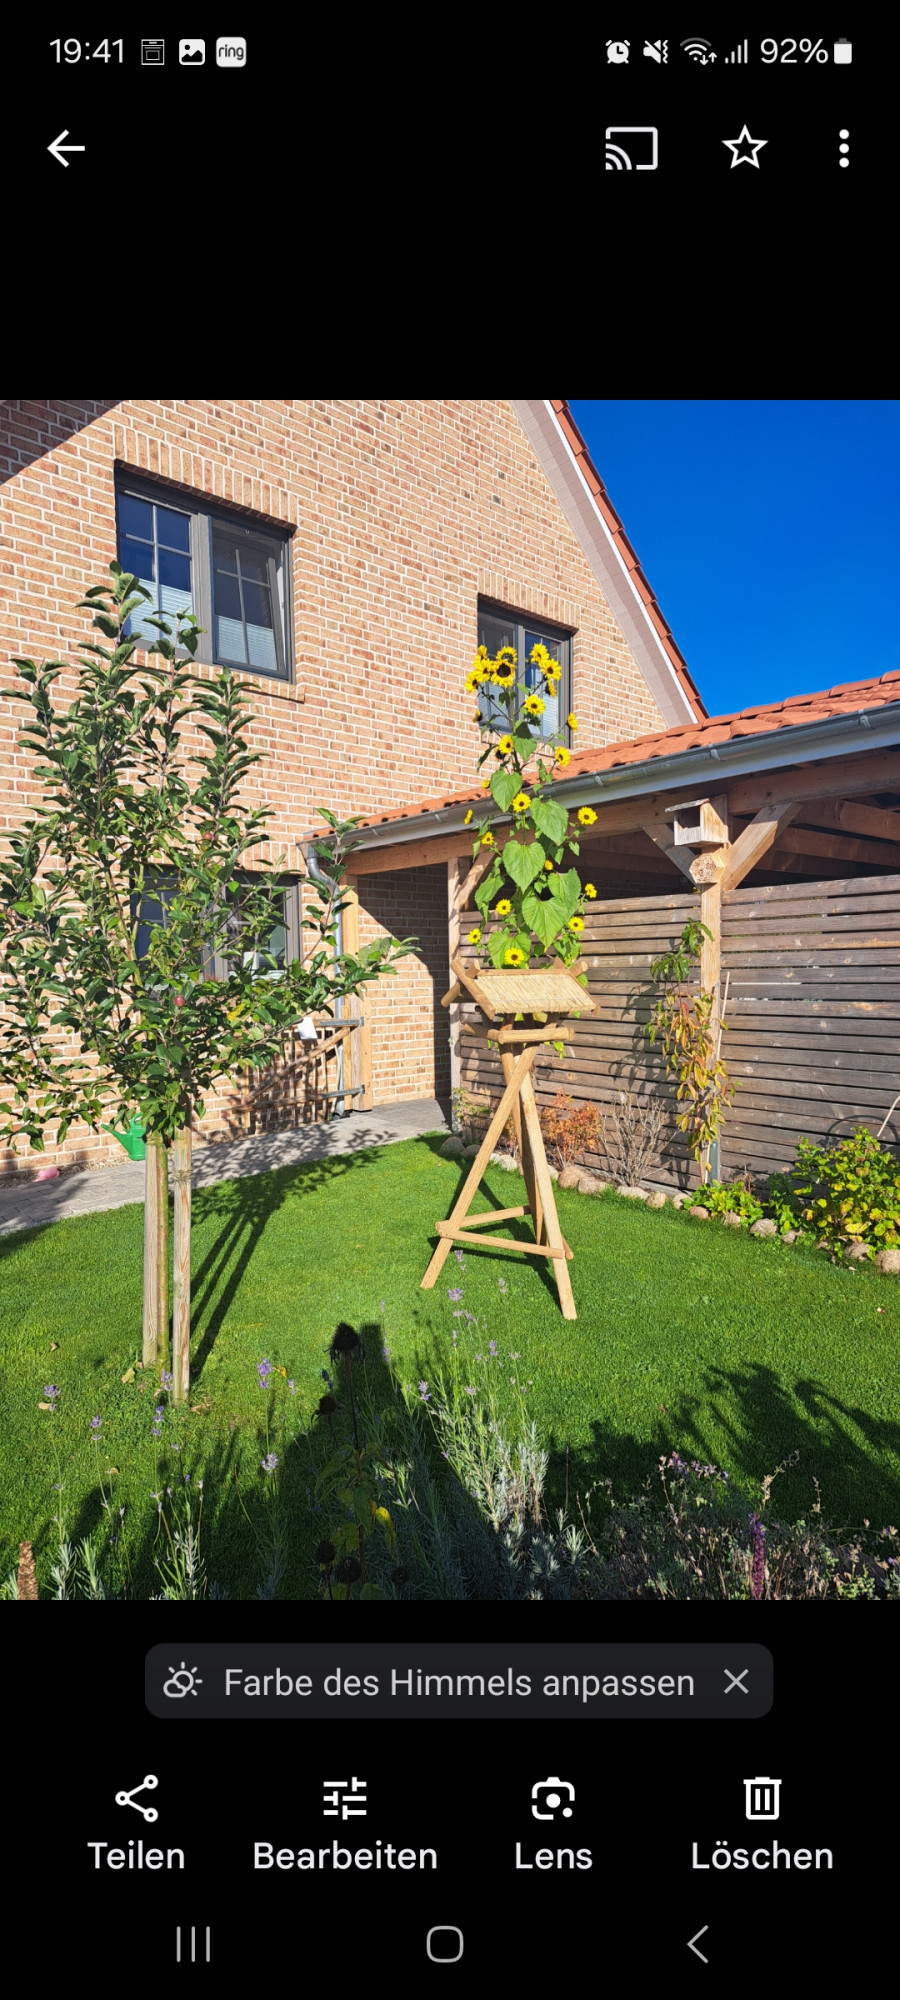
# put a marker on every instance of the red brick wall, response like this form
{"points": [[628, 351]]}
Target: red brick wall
{"points": [[403, 513]]}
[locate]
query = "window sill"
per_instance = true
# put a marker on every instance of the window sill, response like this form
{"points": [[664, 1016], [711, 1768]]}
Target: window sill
{"points": [[207, 670]]}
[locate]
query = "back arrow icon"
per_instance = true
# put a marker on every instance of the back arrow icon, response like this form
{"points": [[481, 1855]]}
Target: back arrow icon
{"points": [[59, 150], [692, 1943]]}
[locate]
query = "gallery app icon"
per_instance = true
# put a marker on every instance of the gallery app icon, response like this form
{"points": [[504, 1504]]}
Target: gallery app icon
{"points": [[192, 52]]}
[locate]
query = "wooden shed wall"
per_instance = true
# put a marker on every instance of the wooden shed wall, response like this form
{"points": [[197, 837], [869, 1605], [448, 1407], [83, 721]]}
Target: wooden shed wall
{"points": [[813, 1013]]}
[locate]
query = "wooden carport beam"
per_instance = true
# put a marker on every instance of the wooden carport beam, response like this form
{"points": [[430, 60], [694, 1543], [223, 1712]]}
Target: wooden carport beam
{"points": [[660, 831], [755, 841]]}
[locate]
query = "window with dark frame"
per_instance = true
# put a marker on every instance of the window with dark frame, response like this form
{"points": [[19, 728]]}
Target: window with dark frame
{"points": [[282, 942], [232, 573], [496, 628]]}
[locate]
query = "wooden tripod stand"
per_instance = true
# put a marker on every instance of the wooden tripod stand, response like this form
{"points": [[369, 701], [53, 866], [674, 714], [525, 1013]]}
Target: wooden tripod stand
{"points": [[512, 993]]}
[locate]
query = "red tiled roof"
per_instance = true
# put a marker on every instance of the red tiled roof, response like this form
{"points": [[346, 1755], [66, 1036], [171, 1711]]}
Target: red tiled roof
{"points": [[592, 477], [848, 698]]}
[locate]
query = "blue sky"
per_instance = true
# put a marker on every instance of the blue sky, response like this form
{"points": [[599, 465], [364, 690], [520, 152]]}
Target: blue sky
{"points": [[769, 532]]}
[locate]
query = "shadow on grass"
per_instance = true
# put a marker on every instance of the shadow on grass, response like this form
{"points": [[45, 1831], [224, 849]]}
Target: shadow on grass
{"points": [[766, 1424]]}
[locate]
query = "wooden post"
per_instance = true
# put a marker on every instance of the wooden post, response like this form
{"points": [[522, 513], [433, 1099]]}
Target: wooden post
{"points": [[181, 1290], [150, 1345], [455, 876], [162, 1255]]}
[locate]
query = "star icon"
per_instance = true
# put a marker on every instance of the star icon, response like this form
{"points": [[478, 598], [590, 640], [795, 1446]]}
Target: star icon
{"points": [[744, 150]]}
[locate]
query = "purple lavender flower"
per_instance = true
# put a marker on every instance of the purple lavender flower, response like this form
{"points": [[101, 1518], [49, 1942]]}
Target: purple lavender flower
{"points": [[51, 1391], [455, 1292], [293, 1388], [469, 1390], [460, 1258], [758, 1567], [502, 1283], [95, 1423], [385, 1354], [493, 1347], [264, 1369], [327, 1378], [424, 1391], [269, 1464], [167, 1379]]}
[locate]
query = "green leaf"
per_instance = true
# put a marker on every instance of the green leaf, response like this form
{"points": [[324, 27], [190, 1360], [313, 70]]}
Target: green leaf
{"points": [[487, 889], [504, 786], [550, 819], [566, 892], [543, 915], [498, 945], [522, 863]]}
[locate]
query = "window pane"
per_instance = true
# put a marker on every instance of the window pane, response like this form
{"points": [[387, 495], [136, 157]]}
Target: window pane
{"points": [[549, 721], [231, 640], [261, 648], [493, 633], [175, 571], [135, 517], [225, 556], [138, 558], [173, 529], [254, 566], [228, 596]]}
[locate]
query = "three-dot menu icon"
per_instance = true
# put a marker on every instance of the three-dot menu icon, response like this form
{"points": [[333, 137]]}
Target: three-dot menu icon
{"points": [[844, 149]]}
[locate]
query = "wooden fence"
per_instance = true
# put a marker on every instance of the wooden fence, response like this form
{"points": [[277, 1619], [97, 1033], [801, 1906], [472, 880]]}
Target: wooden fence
{"points": [[813, 1013]]}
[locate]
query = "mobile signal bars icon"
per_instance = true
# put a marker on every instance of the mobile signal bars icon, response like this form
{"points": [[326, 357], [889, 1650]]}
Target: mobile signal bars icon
{"points": [[702, 51], [739, 54]]}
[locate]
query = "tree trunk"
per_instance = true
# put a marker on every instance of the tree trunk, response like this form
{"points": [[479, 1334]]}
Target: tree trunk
{"points": [[181, 1289]]}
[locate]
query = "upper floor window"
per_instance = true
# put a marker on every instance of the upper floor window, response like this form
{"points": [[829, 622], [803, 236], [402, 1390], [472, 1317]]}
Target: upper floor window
{"points": [[497, 628], [274, 950], [233, 574]]}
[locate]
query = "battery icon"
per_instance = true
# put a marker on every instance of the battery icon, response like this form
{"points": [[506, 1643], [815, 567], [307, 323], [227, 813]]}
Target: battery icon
{"points": [[843, 51]]}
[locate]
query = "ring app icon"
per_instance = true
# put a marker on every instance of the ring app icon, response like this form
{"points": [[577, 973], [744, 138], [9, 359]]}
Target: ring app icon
{"points": [[192, 52], [231, 52]]}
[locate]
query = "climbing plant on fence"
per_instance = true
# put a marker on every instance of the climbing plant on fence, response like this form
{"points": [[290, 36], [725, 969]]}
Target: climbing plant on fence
{"points": [[682, 1019], [129, 834]]}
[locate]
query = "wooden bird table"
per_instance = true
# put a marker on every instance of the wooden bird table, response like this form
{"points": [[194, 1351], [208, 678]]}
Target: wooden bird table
{"points": [[555, 995]]}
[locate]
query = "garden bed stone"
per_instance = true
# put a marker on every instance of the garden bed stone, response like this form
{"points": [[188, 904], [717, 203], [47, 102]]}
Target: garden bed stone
{"points": [[699, 1213], [888, 1262], [765, 1227], [451, 1147], [657, 1199]]}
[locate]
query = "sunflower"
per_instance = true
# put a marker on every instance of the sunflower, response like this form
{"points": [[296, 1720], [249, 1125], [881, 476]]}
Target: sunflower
{"points": [[503, 909], [576, 924], [562, 755], [551, 669], [474, 936], [468, 817], [473, 680], [521, 802], [538, 654], [571, 722], [487, 839], [506, 657], [587, 816], [504, 674], [589, 889], [534, 705], [514, 956], [504, 746], [549, 867]]}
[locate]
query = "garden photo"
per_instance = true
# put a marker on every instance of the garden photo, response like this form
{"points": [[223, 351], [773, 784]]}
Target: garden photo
{"points": [[449, 1063]]}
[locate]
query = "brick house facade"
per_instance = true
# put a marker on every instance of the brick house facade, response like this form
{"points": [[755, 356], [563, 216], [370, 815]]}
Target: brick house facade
{"points": [[395, 520]]}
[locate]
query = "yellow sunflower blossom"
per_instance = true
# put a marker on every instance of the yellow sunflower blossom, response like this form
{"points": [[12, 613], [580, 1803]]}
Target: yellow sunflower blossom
{"points": [[551, 669], [474, 936], [487, 840], [485, 783], [521, 802], [587, 816], [468, 817], [538, 654], [549, 866], [503, 908], [514, 956], [562, 755], [534, 705], [506, 656], [576, 924], [571, 722], [504, 746], [589, 889], [504, 675]]}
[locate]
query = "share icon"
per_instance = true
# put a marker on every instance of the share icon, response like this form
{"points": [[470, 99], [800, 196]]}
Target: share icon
{"points": [[129, 1799]]}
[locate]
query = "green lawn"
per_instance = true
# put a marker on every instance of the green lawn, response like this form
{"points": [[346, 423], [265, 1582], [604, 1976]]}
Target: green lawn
{"points": [[690, 1337]]}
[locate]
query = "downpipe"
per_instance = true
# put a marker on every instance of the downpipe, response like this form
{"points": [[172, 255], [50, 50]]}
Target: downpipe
{"points": [[323, 882]]}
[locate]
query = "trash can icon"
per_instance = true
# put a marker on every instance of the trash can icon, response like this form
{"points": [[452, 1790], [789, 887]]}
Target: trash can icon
{"points": [[762, 1796]]}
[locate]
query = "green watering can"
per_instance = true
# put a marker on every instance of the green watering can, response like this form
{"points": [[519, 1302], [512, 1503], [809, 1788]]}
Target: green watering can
{"points": [[132, 1140]]}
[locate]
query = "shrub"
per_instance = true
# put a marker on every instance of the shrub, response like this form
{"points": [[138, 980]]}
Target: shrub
{"points": [[471, 1114], [726, 1198], [570, 1128], [844, 1193], [631, 1132]]}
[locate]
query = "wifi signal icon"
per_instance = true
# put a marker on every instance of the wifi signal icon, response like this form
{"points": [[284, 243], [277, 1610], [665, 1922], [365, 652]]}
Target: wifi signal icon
{"points": [[702, 51]]}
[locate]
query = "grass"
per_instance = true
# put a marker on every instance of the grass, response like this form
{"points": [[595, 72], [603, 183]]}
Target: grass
{"points": [[729, 1349]]}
